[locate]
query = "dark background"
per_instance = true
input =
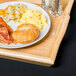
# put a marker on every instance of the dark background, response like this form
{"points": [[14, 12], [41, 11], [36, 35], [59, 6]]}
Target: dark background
{"points": [[65, 64]]}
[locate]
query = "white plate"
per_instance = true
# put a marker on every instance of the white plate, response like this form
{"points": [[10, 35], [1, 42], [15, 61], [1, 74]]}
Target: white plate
{"points": [[14, 25]]}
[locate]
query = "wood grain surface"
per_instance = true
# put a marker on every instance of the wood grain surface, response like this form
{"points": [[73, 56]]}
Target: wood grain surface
{"points": [[45, 51]]}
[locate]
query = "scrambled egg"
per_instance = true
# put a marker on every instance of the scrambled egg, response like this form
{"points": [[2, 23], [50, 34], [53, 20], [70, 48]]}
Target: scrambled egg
{"points": [[34, 17]]}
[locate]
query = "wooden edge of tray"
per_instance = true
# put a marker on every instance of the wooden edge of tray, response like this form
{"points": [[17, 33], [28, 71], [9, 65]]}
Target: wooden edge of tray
{"points": [[45, 61], [62, 32], [59, 38]]}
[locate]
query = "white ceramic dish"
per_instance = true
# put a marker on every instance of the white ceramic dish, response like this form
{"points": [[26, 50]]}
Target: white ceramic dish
{"points": [[14, 25]]}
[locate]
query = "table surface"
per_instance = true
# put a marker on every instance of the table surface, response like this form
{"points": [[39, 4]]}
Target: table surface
{"points": [[65, 64]]}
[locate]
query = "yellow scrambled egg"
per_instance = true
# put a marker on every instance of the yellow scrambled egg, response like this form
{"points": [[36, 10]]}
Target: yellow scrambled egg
{"points": [[34, 17]]}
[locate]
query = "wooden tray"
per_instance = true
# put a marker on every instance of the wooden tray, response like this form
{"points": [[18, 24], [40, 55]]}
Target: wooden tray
{"points": [[45, 51]]}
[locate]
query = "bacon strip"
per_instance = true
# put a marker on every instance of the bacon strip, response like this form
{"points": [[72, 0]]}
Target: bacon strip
{"points": [[5, 32]]}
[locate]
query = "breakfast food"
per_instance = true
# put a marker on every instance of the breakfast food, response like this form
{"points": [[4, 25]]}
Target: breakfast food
{"points": [[26, 33], [5, 33], [22, 14], [30, 22]]}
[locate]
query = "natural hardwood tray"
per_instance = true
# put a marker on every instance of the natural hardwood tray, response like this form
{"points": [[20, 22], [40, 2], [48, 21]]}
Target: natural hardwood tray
{"points": [[45, 51]]}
